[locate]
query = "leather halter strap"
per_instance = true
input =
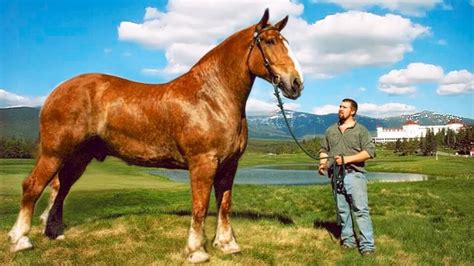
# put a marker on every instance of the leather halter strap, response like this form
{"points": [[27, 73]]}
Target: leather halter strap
{"points": [[256, 41]]}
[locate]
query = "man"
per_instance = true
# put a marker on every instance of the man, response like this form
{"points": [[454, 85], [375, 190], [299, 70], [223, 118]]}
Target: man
{"points": [[349, 145]]}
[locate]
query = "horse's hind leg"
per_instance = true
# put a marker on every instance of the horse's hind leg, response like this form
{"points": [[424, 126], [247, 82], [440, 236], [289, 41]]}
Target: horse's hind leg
{"points": [[72, 169], [225, 239], [54, 185], [33, 186]]}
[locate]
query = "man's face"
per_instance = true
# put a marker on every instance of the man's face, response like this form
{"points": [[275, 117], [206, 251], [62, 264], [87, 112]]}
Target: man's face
{"points": [[345, 110]]}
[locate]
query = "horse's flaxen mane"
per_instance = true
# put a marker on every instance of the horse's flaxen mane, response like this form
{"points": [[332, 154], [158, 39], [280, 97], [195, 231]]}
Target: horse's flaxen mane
{"points": [[236, 40]]}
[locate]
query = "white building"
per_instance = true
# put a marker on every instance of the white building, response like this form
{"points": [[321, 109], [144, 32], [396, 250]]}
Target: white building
{"points": [[411, 130]]}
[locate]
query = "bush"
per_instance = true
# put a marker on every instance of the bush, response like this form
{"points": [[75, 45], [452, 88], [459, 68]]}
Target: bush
{"points": [[16, 148]]}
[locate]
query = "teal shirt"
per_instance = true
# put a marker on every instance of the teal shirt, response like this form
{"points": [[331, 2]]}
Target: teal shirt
{"points": [[354, 140]]}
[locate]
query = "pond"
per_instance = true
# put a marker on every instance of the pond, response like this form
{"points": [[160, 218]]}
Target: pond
{"points": [[281, 175]]}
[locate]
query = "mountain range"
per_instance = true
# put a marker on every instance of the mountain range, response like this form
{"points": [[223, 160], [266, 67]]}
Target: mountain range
{"points": [[22, 122]]}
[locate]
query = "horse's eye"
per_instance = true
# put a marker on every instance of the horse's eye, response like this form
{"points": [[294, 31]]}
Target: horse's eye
{"points": [[270, 41]]}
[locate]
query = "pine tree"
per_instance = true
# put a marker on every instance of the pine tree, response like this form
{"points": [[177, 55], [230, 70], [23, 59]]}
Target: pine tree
{"points": [[398, 146]]}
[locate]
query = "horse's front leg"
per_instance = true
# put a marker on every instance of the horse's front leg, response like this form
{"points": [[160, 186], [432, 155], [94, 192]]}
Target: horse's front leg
{"points": [[202, 171], [225, 239]]}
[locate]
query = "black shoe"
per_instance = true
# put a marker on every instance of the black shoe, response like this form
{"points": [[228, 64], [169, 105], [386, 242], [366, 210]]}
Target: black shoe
{"points": [[368, 253]]}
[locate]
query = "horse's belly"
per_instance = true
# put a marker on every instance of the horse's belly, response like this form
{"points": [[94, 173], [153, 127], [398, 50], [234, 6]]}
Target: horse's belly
{"points": [[146, 153]]}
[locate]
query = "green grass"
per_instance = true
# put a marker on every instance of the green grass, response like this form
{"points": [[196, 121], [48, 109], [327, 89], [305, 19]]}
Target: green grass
{"points": [[119, 214]]}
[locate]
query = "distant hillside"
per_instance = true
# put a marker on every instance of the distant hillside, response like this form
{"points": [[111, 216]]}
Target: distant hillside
{"points": [[23, 122], [303, 124], [425, 118], [19, 122]]}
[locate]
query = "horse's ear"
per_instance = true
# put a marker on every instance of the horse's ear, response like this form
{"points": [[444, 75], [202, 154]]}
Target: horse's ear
{"points": [[264, 21], [280, 25]]}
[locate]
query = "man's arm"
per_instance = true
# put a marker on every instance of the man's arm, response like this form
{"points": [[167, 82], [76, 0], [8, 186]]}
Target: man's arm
{"points": [[367, 147], [356, 158]]}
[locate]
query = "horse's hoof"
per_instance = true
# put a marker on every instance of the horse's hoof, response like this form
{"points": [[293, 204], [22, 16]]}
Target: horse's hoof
{"points": [[22, 244], [198, 257], [60, 237], [228, 248]]}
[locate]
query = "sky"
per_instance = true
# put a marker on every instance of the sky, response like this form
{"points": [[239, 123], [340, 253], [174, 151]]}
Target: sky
{"points": [[393, 57]]}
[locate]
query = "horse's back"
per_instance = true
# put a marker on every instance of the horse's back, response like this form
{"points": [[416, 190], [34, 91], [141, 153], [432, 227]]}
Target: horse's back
{"points": [[128, 117]]}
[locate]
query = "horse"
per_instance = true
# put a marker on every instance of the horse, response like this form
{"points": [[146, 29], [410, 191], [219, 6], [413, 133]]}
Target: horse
{"points": [[195, 122]]}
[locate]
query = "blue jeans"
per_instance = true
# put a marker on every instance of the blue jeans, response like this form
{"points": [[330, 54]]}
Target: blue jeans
{"points": [[355, 184]]}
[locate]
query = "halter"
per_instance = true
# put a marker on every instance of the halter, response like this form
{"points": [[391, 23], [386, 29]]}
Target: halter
{"points": [[256, 41]]}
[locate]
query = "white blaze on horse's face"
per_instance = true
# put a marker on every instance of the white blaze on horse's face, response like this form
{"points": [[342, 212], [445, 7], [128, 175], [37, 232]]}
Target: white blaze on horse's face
{"points": [[295, 61], [283, 64], [275, 62]]}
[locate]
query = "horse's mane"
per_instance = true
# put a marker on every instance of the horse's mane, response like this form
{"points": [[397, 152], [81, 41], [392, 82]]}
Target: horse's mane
{"points": [[231, 40]]}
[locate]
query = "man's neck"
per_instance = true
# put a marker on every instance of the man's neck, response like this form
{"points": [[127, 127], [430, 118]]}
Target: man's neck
{"points": [[346, 123]]}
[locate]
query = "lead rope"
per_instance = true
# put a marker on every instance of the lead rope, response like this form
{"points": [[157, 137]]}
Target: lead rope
{"points": [[280, 105], [339, 171]]}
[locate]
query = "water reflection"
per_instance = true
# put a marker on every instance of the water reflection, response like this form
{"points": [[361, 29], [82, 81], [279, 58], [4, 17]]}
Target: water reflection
{"points": [[281, 175]]}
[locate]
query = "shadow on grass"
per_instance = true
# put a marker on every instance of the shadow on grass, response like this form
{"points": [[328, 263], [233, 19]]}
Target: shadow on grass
{"points": [[283, 219], [331, 226], [251, 215]]}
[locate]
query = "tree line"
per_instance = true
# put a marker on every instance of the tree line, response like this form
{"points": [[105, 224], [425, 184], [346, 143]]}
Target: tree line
{"points": [[17, 148], [448, 139], [428, 145]]}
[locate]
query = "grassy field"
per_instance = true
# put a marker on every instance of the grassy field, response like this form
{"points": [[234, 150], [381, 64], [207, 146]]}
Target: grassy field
{"points": [[119, 214]]}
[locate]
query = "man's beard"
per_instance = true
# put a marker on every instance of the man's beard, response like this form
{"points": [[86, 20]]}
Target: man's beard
{"points": [[342, 119]]}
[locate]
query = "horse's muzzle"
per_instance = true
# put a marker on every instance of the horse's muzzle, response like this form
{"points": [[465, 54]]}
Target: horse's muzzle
{"points": [[293, 89]]}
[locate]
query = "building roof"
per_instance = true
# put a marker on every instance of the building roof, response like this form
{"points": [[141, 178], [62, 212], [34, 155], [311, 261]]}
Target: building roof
{"points": [[410, 122], [454, 121]]}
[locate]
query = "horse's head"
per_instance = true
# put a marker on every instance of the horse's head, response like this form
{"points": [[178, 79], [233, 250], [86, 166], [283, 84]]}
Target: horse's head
{"points": [[271, 58]]}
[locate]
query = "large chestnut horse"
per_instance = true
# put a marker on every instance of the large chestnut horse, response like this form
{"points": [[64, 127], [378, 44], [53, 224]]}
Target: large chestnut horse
{"points": [[194, 122]]}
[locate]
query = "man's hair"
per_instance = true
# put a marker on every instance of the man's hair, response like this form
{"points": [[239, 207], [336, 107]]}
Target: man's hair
{"points": [[354, 105]]}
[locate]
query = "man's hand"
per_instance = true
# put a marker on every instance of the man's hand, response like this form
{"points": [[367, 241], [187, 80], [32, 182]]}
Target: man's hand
{"points": [[322, 168], [339, 159]]}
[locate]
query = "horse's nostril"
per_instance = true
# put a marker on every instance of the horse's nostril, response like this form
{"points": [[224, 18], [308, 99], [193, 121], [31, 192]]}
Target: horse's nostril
{"points": [[297, 85]]}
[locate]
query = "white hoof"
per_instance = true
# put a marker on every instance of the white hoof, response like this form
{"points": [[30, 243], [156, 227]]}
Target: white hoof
{"points": [[60, 237], [198, 257], [227, 248], [22, 244]]}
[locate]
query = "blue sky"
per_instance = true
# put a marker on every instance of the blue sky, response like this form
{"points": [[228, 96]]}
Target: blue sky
{"points": [[393, 57]]}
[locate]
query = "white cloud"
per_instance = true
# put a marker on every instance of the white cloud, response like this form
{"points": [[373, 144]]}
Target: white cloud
{"points": [[325, 109], [337, 43], [152, 71], [188, 29], [410, 8], [9, 99], [385, 110], [397, 90], [442, 42], [403, 81], [456, 82], [370, 109], [344, 41], [257, 106]]}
